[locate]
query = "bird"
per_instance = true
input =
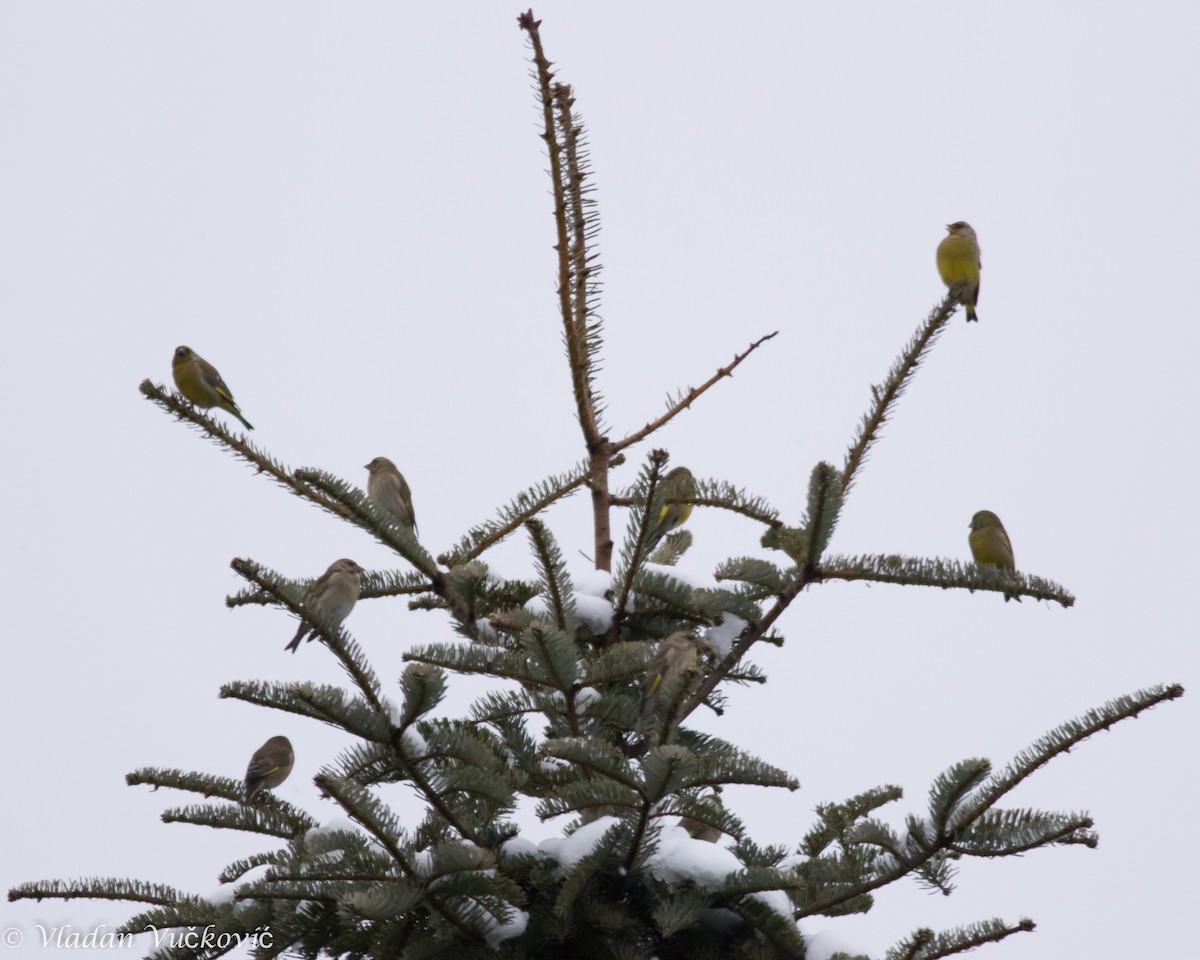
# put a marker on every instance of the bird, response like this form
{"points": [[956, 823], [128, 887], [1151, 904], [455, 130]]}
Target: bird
{"points": [[677, 657], [199, 382], [700, 831], [330, 598], [388, 490], [269, 767], [678, 486], [990, 544], [958, 263]]}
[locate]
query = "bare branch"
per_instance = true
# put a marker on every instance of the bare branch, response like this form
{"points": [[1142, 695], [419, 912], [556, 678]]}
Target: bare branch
{"points": [[692, 395]]}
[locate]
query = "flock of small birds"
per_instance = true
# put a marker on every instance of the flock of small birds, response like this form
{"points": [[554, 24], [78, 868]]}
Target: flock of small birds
{"points": [[333, 595]]}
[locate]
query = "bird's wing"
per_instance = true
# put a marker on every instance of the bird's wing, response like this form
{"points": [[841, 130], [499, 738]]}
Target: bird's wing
{"points": [[213, 379], [1008, 545], [260, 767]]}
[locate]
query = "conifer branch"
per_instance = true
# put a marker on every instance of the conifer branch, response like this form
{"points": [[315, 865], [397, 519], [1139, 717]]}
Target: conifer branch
{"points": [[758, 578], [683, 402], [601, 460], [924, 944], [322, 702], [518, 511], [556, 582], [750, 635], [376, 585], [575, 227], [362, 513], [208, 930], [636, 544], [824, 505], [660, 594], [337, 640], [916, 857], [564, 178], [837, 818], [479, 659], [893, 387], [1008, 833], [173, 778], [1058, 741], [366, 811], [584, 226], [714, 493], [939, 572], [105, 888], [277, 819], [239, 868], [241, 447], [436, 798]]}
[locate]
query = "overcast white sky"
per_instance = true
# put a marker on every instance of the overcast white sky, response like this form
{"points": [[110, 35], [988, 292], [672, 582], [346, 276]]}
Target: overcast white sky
{"points": [[344, 207]]}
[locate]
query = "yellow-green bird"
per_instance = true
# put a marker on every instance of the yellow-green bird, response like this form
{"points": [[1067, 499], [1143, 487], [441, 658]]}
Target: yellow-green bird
{"points": [[198, 380], [677, 656], [990, 544], [679, 486], [269, 767], [958, 263]]}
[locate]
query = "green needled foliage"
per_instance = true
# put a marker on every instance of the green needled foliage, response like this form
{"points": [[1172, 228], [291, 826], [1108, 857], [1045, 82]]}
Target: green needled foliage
{"points": [[593, 720]]}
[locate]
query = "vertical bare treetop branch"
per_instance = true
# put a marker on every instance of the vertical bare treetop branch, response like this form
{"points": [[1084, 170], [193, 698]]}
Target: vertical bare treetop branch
{"points": [[559, 134]]}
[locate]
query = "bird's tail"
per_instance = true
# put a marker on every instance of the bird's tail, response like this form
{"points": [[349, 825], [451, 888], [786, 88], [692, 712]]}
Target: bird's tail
{"points": [[295, 644]]}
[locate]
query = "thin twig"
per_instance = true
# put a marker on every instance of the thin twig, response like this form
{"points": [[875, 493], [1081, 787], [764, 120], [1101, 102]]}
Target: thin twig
{"points": [[726, 371]]}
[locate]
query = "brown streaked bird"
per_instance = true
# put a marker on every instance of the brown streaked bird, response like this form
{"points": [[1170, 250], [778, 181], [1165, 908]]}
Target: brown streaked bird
{"points": [[198, 380], [269, 767], [330, 598], [700, 831], [388, 490]]}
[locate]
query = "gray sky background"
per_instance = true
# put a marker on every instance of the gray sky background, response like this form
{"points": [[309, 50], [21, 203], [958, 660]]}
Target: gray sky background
{"points": [[344, 207]]}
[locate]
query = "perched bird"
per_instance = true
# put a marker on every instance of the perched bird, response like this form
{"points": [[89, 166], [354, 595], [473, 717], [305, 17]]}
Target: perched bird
{"points": [[958, 263], [330, 598], [990, 544], [198, 380], [269, 767], [677, 657], [680, 486], [388, 490], [700, 831]]}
